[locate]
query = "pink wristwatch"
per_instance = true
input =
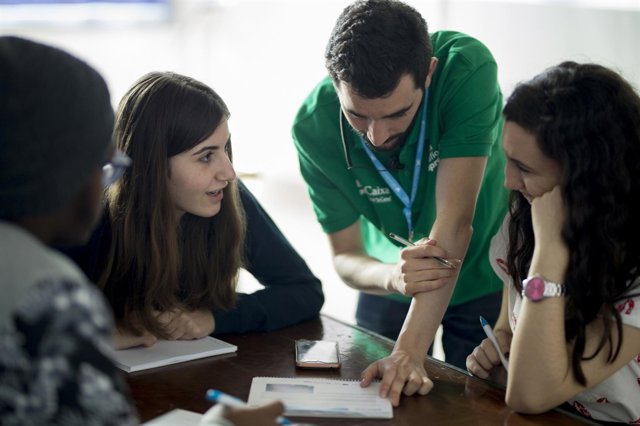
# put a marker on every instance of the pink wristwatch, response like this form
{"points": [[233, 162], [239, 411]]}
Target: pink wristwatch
{"points": [[537, 288]]}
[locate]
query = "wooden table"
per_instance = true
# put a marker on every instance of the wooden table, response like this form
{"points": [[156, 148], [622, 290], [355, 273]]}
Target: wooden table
{"points": [[456, 399]]}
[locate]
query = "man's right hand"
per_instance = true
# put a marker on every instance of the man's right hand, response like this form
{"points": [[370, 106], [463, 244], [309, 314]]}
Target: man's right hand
{"points": [[418, 271]]}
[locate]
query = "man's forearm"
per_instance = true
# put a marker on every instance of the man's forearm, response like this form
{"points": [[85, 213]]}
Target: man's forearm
{"points": [[427, 309], [423, 319], [363, 272]]}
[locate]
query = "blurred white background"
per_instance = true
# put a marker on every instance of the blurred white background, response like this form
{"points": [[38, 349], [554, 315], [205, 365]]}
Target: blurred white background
{"points": [[264, 56]]}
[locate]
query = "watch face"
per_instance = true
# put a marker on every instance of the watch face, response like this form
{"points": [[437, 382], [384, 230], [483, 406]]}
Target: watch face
{"points": [[534, 288]]}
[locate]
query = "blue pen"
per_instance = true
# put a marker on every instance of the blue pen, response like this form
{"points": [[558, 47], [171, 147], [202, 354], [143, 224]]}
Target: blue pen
{"points": [[489, 332], [215, 395]]}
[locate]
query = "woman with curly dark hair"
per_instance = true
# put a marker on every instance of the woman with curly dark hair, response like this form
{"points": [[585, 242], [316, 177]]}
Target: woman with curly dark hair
{"points": [[569, 251]]}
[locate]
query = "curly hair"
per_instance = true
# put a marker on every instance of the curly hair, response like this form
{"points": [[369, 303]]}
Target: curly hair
{"points": [[587, 118], [374, 43]]}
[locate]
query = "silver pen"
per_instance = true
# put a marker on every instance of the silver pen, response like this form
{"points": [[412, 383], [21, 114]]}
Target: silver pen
{"points": [[408, 243]]}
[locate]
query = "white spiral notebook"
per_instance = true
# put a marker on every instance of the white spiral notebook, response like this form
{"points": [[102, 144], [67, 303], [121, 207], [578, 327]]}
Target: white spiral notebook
{"points": [[315, 397], [166, 352]]}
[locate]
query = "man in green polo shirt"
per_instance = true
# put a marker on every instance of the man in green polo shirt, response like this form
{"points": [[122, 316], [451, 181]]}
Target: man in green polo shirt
{"points": [[402, 138]]}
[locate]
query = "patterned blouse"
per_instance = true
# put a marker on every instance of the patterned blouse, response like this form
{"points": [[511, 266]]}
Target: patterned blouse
{"points": [[55, 334], [617, 398]]}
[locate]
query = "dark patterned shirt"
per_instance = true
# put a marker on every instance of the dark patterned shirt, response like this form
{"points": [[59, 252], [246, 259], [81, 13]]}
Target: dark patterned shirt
{"points": [[55, 332]]}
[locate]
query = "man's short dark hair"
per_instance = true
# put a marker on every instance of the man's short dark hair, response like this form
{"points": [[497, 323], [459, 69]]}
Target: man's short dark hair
{"points": [[374, 43]]}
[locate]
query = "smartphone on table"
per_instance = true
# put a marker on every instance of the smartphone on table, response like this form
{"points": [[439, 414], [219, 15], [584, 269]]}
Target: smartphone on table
{"points": [[317, 354]]}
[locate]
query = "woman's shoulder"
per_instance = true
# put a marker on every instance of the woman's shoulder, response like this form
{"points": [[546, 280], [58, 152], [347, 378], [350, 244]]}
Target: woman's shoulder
{"points": [[629, 305], [253, 210]]}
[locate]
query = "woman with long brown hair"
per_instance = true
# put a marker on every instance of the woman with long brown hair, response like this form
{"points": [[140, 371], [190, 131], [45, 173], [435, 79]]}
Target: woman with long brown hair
{"points": [[179, 225], [569, 252]]}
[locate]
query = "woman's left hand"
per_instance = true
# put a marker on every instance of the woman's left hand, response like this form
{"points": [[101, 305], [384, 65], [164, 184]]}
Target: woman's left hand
{"points": [[551, 254], [125, 339], [548, 214], [187, 325]]}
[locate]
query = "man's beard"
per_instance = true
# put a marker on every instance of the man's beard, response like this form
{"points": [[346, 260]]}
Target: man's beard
{"points": [[394, 143]]}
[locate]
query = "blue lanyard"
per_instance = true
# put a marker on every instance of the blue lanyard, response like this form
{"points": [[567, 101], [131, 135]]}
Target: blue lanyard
{"points": [[392, 182]]}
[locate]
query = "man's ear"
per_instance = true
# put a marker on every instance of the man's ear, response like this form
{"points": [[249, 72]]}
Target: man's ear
{"points": [[432, 68]]}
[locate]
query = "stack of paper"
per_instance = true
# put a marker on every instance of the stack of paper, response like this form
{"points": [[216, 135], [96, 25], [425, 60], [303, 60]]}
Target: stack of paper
{"points": [[165, 352]]}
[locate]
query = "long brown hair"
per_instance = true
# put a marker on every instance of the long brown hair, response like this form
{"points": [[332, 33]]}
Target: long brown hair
{"points": [[153, 265]]}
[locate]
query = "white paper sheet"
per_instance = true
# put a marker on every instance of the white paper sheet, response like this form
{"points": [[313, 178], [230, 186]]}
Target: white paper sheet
{"points": [[315, 397]]}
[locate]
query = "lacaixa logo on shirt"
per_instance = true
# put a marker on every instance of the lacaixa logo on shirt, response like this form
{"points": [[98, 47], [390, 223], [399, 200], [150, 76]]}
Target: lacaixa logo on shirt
{"points": [[376, 194]]}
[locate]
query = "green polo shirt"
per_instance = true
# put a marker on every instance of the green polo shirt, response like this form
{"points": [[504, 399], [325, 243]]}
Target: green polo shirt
{"points": [[463, 120]]}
